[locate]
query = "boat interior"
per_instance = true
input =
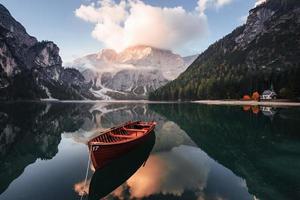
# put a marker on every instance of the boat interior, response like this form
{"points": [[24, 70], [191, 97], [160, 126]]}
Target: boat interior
{"points": [[126, 132]]}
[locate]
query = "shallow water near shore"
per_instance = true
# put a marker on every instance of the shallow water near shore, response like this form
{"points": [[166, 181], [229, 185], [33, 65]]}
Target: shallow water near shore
{"points": [[199, 152]]}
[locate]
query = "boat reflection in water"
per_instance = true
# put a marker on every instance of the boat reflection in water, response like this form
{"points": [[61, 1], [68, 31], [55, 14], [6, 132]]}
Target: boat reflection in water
{"points": [[110, 176]]}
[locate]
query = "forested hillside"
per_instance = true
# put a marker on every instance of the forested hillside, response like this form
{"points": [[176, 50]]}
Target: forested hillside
{"points": [[263, 52]]}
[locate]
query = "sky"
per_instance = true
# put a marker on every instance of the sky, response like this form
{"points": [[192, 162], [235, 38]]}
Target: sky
{"points": [[81, 27]]}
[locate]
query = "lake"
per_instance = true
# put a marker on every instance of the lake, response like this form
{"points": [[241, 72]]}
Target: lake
{"points": [[198, 152]]}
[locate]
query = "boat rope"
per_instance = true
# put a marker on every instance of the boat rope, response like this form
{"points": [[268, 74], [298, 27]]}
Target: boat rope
{"points": [[86, 173]]}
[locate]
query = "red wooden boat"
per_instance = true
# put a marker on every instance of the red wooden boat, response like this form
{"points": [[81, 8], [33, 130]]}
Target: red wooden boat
{"points": [[118, 141]]}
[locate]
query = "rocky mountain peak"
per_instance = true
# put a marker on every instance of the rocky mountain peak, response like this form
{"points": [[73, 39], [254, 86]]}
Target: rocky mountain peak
{"points": [[108, 55], [254, 25], [141, 53], [45, 54], [277, 5], [33, 70], [13, 30], [135, 53], [132, 73], [257, 21]]}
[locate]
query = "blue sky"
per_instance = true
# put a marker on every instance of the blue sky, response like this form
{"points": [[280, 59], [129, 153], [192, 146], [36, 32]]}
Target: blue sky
{"points": [[55, 20]]}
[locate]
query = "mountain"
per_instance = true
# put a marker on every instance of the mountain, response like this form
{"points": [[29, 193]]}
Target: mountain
{"points": [[132, 73], [260, 54], [32, 70]]}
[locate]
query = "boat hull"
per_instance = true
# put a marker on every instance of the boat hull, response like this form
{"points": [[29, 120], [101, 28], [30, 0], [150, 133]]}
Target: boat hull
{"points": [[101, 154], [116, 172]]}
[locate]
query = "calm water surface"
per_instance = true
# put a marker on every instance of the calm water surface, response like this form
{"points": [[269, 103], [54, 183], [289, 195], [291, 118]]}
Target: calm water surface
{"points": [[198, 152]]}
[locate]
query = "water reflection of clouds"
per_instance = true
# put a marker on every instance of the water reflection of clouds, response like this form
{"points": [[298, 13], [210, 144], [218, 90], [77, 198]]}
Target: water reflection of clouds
{"points": [[82, 188], [168, 173], [182, 168]]}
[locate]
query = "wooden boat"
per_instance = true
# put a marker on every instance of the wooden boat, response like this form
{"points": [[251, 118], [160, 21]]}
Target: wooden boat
{"points": [[118, 141], [116, 172]]}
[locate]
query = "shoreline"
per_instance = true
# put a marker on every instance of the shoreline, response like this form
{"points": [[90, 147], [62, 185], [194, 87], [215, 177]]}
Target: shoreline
{"points": [[92, 101], [229, 102], [248, 103]]}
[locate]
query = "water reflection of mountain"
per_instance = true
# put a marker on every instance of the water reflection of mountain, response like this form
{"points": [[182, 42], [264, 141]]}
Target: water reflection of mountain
{"points": [[107, 115], [254, 147], [176, 168], [265, 152], [31, 131]]}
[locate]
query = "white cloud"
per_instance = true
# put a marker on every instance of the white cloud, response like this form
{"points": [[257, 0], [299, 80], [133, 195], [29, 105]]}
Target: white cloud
{"points": [[105, 10], [258, 2], [204, 4], [133, 22]]}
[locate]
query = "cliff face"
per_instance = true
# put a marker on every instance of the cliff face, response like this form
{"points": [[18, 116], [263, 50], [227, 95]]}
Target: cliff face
{"points": [[33, 70], [263, 52]]}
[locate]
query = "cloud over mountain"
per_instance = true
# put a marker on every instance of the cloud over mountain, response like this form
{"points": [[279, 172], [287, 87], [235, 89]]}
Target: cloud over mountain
{"points": [[204, 4], [258, 2], [133, 22]]}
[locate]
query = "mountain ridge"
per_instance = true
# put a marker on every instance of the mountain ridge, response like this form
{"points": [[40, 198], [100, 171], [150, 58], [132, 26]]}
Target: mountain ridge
{"points": [[131, 73], [261, 53]]}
